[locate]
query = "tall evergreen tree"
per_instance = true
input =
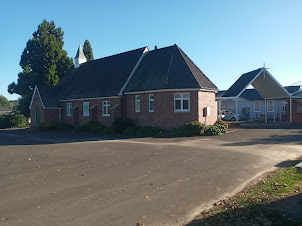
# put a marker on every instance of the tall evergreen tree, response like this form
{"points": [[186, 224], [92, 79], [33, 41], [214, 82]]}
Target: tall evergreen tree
{"points": [[43, 62], [88, 51]]}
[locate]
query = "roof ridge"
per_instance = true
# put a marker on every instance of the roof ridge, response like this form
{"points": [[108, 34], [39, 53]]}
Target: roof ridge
{"points": [[170, 64], [183, 53]]}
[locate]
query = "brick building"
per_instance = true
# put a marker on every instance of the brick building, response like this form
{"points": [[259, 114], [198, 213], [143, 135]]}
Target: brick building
{"points": [[162, 87]]}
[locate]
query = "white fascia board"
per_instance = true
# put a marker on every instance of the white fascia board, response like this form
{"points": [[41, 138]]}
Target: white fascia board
{"points": [[132, 72], [32, 99], [226, 98], [170, 90], [278, 83], [94, 98], [250, 83]]}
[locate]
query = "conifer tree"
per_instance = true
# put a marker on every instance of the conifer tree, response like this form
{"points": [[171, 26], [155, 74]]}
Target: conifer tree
{"points": [[88, 51]]}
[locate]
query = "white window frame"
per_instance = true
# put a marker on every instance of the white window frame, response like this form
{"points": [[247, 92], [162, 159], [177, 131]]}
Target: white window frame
{"points": [[255, 110], [270, 101], [106, 105], [299, 108], [86, 113], [137, 105], [151, 99], [68, 109], [182, 98]]}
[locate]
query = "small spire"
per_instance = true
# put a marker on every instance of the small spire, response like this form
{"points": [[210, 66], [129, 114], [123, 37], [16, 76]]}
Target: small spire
{"points": [[80, 53]]}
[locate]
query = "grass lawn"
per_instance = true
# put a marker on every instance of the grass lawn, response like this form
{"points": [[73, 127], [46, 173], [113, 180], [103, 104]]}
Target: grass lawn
{"points": [[275, 200]]}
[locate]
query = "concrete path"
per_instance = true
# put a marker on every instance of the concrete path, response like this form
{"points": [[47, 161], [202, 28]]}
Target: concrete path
{"points": [[73, 179]]}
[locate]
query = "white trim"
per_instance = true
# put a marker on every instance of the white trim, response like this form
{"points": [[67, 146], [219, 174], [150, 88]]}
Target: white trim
{"points": [[255, 106], [86, 114], [132, 72], [32, 99], [137, 100], [150, 102], [94, 98], [106, 103], [250, 83], [68, 112], [170, 90], [181, 102]]}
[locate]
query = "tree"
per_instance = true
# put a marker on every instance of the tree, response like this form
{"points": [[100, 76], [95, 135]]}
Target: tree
{"points": [[88, 51], [4, 102], [43, 62]]}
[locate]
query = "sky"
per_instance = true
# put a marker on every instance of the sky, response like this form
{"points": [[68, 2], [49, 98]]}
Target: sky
{"points": [[223, 38]]}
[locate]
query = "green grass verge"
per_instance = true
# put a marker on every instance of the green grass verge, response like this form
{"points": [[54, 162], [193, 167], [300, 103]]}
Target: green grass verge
{"points": [[255, 205]]}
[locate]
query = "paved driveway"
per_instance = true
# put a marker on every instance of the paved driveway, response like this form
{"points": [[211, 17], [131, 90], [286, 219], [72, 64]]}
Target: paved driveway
{"points": [[74, 179]]}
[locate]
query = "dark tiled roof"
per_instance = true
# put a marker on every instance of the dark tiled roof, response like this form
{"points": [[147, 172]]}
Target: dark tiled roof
{"points": [[99, 78], [220, 93], [241, 83], [251, 94], [167, 68], [292, 89], [49, 95], [80, 53], [298, 94]]}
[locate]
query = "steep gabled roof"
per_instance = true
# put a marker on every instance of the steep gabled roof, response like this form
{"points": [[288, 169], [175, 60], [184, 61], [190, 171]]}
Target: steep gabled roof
{"points": [[241, 83], [80, 53], [168, 68], [49, 95], [99, 78]]}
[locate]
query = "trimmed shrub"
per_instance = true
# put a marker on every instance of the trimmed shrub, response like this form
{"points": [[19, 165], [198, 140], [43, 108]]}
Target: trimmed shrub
{"points": [[57, 126], [13, 121], [121, 124], [221, 122], [212, 131], [91, 127], [108, 131], [194, 128], [222, 128], [149, 131]]}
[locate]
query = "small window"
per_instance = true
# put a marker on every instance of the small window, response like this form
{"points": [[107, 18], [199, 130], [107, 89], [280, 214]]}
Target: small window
{"points": [[270, 106], [85, 108], [182, 102], [257, 106], [151, 103], [106, 108], [68, 109], [137, 103], [299, 106]]}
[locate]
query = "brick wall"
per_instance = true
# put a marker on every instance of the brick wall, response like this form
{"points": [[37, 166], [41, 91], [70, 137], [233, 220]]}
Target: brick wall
{"points": [[36, 103], [207, 99], [95, 114], [164, 115], [297, 117]]}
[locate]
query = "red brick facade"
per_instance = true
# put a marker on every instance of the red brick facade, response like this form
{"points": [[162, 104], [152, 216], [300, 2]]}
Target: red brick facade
{"points": [[163, 116], [297, 117]]}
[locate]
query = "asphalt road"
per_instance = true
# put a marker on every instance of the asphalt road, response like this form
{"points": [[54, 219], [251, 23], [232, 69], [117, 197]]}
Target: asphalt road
{"points": [[73, 179]]}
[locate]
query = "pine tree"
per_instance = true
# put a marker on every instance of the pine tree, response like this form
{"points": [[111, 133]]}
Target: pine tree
{"points": [[88, 51], [43, 62]]}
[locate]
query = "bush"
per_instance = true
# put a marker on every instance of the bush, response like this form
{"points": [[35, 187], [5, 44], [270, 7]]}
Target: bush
{"points": [[108, 131], [221, 122], [56, 126], [121, 124], [149, 131], [194, 128], [13, 121], [91, 127], [222, 128], [212, 131]]}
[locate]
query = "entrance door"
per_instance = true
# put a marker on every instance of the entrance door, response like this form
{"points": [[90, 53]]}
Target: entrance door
{"points": [[37, 116], [246, 113]]}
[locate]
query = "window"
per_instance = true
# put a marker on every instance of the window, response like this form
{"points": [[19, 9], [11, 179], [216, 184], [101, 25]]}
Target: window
{"points": [[270, 106], [257, 106], [137, 103], [151, 103], [299, 106], [181, 102], [68, 109], [85, 108], [106, 108]]}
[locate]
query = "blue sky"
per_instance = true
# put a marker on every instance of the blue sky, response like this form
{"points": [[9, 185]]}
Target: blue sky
{"points": [[224, 38]]}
